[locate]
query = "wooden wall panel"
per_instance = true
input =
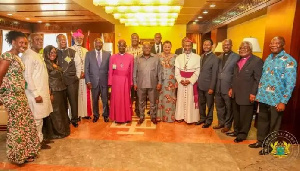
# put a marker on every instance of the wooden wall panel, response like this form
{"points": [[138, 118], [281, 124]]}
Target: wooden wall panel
{"points": [[283, 20]]}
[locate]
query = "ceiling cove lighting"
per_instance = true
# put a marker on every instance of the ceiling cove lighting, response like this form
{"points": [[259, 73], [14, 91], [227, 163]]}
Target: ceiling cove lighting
{"points": [[212, 5], [205, 12], [137, 2], [140, 9], [143, 12]]}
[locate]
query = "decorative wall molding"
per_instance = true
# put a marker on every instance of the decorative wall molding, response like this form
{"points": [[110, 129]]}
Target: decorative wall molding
{"points": [[238, 11]]}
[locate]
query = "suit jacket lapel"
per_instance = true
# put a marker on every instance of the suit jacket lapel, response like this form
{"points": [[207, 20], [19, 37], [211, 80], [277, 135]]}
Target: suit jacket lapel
{"points": [[226, 63], [103, 58]]}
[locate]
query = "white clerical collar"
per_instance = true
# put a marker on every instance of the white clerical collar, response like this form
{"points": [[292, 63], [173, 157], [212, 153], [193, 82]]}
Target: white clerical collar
{"points": [[122, 54]]}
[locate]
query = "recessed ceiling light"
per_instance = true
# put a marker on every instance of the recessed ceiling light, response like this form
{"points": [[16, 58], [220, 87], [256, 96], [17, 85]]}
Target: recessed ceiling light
{"points": [[9, 14], [200, 17], [212, 5], [39, 21], [205, 12], [27, 18], [196, 20]]}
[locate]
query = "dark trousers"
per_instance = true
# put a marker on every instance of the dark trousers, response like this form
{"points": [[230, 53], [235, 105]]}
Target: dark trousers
{"points": [[72, 96], [242, 116], [134, 97], [224, 110], [96, 92], [269, 120], [151, 93], [206, 99]]}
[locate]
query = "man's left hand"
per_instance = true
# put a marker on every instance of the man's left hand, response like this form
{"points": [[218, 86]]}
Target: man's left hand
{"points": [[280, 107], [210, 91], [158, 87], [252, 98]]}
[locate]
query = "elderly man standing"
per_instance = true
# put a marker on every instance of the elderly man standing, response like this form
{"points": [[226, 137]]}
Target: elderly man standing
{"points": [[84, 101], [71, 67], [187, 69], [147, 81], [274, 91], [207, 83], [157, 47], [37, 90], [136, 50], [96, 78], [246, 77], [227, 62]]}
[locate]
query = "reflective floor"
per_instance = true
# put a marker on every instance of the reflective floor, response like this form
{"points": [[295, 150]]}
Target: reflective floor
{"points": [[166, 146]]}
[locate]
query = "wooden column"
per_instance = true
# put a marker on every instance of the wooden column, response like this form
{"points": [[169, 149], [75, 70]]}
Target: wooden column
{"points": [[283, 20]]}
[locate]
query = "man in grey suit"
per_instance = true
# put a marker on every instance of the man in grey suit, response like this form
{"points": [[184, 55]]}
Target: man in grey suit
{"points": [[207, 83], [96, 78], [227, 62], [181, 50], [246, 77], [147, 81]]}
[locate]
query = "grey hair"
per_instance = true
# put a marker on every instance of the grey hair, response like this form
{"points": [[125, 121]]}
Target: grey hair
{"points": [[229, 40], [248, 43]]}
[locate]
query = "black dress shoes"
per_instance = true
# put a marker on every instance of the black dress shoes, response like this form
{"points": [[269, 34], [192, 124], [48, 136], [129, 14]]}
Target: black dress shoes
{"points": [[154, 121], [75, 124], [140, 121], [105, 118], [86, 117], [255, 145], [206, 125], [237, 140], [231, 134], [265, 151], [218, 126], [199, 122], [96, 118]]}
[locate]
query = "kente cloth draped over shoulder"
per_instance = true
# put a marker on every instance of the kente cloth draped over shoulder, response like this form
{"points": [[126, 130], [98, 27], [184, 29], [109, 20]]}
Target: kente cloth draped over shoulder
{"points": [[187, 67], [120, 79], [84, 94], [21, 139]]}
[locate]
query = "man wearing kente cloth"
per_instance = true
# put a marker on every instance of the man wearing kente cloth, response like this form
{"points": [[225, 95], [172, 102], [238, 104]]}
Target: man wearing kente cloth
{"points": [[187, 69], [71, 67]]}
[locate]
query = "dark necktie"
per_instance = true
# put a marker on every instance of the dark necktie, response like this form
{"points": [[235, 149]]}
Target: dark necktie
{"points": [[99, 58], [157, 51]]}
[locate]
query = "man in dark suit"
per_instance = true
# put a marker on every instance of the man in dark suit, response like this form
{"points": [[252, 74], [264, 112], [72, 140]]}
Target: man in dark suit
{"points": [[71, 66], [96, 78], [157, 47], [181, 50], [227, 62], [246, 77], [207, 83]]}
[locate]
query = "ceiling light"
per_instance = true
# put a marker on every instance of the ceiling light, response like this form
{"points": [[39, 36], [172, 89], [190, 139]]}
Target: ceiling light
{"points": [[145, 15], [196, 20], [200, 17], [150, 9], [212, 5], [9, 14], [205, 12], [39, 21], [27, 18], [137, 2]]}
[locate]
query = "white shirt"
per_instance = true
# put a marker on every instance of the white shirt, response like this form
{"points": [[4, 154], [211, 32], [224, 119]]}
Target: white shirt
{"points": [[160, 47], [37, 79], [97, 54]]}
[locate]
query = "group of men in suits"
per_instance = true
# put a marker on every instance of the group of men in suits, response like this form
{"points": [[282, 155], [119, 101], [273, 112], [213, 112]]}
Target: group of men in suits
{"points": [[236, 81]]}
